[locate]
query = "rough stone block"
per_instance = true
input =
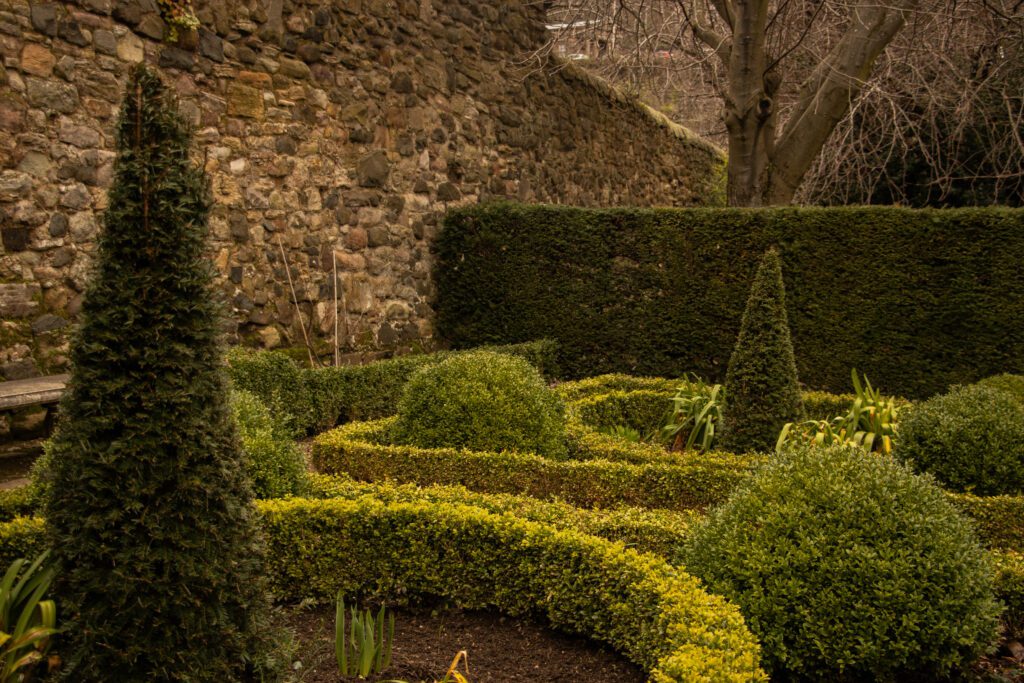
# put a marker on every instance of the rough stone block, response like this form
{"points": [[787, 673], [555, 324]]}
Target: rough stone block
{"points": [[244, 100], [130, 48], [373, 169], [37, 60]]}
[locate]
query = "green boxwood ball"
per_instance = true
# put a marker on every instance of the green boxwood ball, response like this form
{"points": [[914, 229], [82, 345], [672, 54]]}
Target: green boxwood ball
{"points": [[482, 401], [971, 439], [849, 567]]}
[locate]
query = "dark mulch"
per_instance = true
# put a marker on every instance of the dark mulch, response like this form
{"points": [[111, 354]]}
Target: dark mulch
{"points": [[501, 649]]}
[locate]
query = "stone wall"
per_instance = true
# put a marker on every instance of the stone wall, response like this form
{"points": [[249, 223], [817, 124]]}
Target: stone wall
{"points": [[335, 132]]}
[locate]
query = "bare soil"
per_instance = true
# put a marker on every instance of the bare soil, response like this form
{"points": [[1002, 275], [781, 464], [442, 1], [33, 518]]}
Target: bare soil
{"points": [[500, 649]]}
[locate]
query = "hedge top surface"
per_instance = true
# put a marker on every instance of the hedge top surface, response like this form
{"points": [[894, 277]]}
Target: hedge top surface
{"points": [[363, 451], [661, 291], [481, 400], [849, 567], [971, 439], [653, 613]]}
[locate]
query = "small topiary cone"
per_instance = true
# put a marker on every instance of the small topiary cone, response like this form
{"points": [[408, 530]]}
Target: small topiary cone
{"points": [[762, 393]]}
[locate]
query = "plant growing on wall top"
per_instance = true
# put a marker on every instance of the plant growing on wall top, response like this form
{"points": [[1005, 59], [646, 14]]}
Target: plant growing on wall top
{"points": [[149, 506], [178, 14]]}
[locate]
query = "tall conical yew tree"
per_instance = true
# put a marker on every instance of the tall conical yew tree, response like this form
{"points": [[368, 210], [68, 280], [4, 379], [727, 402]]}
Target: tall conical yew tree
{"points": [[761, 389], [149, 506]]}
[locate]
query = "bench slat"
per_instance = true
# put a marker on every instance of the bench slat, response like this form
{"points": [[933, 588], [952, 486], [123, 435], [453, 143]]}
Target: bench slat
{"points": [[36, 391]]}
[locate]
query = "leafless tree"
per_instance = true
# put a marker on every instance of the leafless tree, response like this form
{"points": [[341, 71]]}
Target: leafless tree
{"points": [[784, 72]]}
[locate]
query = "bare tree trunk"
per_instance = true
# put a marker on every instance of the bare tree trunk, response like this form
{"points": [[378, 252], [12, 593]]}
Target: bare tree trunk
{"points": [[826, 95]]}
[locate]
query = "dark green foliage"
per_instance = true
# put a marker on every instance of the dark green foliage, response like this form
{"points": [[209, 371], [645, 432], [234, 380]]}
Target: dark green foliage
{"points": [[276, 465], [917, 300], [149, 506], [316, 399], [971, 439], [761, 389], [481, 401], [848, 567]]}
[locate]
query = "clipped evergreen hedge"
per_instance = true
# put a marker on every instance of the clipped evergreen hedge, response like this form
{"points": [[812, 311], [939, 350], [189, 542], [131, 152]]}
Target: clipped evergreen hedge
{"points": [[917, 299], [658, 531], [661, 532], [654, 614], [361, 451], [643, 403], [316, 399]]}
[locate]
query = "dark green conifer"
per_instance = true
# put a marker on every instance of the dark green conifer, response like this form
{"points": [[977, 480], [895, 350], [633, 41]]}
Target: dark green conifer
{"points": [[149, 506], [761, 389]]}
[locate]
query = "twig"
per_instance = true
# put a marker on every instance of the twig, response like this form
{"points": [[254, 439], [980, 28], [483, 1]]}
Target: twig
{"points": [[295, 300], [334, 258]]}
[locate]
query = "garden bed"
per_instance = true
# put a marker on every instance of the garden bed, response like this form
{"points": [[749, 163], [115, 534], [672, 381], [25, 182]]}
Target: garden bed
{"points": [[500, 648]]}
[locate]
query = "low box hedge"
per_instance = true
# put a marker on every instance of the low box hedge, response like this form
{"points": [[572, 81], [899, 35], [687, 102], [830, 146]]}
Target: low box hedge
{"points": [[661, 532], [318, 398], [654, 614], [358, 450], [661, 291], [644, 403], [25, 536], [999, 520], [1010, 589]]}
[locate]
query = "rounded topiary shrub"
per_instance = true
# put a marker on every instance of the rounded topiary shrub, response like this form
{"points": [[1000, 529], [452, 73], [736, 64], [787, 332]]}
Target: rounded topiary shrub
{"points": [[483, 401], [1012, 384], [971, 439], [848, 567]]}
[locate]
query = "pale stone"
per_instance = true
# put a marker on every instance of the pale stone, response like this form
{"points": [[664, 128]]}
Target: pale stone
{"points": [[37, 60], [130, 48]]}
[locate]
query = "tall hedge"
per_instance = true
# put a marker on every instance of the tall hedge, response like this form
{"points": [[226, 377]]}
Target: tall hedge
{"points": [[917, 299], [761, 389], [150, 507]]}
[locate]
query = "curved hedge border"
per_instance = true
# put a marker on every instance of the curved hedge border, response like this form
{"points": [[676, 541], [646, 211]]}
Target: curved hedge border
{"points": [[643, 403], [654, 614], [659, 291], [356, 450], [657, 616], [24, 537], [317, 398], [661, 532]]}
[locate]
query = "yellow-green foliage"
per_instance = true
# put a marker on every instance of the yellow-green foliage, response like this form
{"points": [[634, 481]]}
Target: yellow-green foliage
{"points": [[1010, 589], [643, 410], [316, 399], [999, 520], [21, 537], [359, 450], [19, 501], [603, 384], [275, 463], [654, 614], [586, 444], [849, 567], [481, 400], [658, 531]]}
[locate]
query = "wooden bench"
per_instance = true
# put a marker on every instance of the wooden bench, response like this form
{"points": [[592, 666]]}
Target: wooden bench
{"points": [[38, 391]]}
